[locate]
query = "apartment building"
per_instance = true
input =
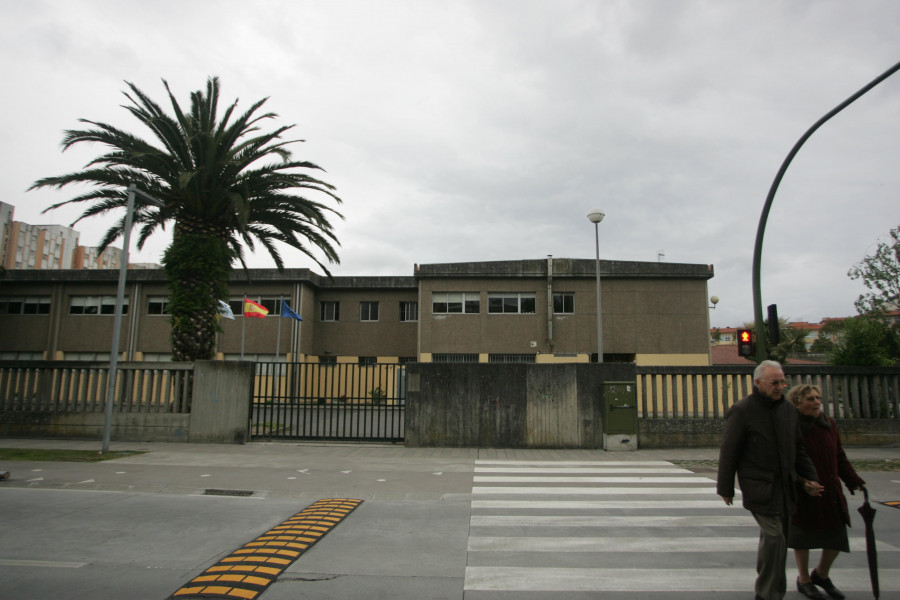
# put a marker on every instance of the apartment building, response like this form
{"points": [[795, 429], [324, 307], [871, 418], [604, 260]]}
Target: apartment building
{"points": [[538, 311], [55, 247]]}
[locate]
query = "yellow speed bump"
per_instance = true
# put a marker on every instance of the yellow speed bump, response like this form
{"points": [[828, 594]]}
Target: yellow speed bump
{"points": [[249, 570]]}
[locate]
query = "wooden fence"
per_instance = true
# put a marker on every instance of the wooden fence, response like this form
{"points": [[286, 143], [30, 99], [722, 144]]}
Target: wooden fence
{"points": [[78, 386], [708, 392]]}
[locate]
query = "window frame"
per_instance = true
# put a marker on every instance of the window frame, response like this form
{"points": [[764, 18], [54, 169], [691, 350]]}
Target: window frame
{"points": [[409, 311], [510, 300], [163, 306], [563, 296], [368, 311], [335, 305], [469, 303]]}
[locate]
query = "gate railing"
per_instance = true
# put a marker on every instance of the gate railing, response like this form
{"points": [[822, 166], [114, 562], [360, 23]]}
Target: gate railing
{"points": [[342, 401], [708, 392]]}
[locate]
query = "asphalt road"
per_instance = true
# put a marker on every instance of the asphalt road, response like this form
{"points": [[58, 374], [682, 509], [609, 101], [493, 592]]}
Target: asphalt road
{"points": [[433, 524]]}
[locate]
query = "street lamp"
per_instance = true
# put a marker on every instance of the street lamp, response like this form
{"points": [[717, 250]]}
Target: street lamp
{"points": [[595, 216], [117, 319]]}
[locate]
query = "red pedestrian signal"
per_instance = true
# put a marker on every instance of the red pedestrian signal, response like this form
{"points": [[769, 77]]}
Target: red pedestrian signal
{"points": [[745, 343]]}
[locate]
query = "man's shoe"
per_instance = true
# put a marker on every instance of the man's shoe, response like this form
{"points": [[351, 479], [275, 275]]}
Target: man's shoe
{"points": [[809, 590], [825, 584]]}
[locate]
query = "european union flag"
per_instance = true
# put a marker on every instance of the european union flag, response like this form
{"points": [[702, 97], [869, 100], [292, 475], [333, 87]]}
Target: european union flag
{"points": [[287, 313]]}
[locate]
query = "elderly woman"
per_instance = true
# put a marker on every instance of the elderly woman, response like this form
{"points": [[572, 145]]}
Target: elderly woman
{"points": [[821, 521]]}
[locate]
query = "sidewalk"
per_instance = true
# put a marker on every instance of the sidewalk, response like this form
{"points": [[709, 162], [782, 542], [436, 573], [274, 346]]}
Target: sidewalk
{"points": [[264, 453]]}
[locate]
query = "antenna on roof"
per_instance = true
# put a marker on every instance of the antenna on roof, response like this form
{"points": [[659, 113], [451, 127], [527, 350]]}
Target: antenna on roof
{"points": [[659, 255]]}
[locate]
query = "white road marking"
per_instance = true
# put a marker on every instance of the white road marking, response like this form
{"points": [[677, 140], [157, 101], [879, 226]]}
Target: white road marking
{"points": [[45, 564], [647, 580]]}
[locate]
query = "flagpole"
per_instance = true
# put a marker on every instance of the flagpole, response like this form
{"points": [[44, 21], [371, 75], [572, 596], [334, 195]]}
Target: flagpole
{"points": [[243, 324], [278, 337]]}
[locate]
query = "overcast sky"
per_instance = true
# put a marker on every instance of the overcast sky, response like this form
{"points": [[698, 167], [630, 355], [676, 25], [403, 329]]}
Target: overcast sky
{"points": [[487, 130]]}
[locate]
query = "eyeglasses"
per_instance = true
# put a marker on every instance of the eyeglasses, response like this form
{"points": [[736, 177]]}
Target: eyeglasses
{"points": [[780, 382]]}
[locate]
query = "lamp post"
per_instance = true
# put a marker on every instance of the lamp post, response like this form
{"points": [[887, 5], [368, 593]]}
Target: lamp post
{"points": [[595, 216], [117, 319]]}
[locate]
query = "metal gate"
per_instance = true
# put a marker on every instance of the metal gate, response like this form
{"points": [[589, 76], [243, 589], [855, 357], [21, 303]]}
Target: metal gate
{"points": [[316, 401]]}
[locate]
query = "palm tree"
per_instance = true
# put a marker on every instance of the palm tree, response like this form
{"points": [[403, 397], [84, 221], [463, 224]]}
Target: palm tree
{"points": [[222, 183]]}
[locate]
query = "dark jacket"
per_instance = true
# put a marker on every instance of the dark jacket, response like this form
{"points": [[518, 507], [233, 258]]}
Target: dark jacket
{"points": [[823, 444], [763, 446]]}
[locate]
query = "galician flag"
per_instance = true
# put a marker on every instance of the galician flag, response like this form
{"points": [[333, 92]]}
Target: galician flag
{"points": [[225, 311], [253, 309]]}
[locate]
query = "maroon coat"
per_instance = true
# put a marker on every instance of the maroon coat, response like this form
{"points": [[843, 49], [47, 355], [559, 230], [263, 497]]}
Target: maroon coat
{"points": [[823, 444]]}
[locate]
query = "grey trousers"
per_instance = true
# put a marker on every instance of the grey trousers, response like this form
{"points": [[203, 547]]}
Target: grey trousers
{"points": [[771, 581]]}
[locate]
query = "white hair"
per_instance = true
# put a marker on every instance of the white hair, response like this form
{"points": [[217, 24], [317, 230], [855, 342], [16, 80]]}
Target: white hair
{"points": [[766, 364]]}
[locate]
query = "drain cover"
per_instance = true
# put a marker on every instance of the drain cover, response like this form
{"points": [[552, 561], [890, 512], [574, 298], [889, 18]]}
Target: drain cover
{"points": [[210, 492]]}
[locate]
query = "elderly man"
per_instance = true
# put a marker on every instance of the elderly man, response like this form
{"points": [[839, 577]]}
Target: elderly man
{"points": [[763, 445]]}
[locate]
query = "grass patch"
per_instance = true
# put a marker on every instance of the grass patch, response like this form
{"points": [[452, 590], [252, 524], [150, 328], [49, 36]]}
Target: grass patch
{"points": [[888, 464], [37, 454]]}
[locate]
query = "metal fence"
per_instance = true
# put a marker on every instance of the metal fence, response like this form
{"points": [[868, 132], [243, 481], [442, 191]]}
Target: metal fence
{"points": [[708, 392], [337, 401], [77, 386]]}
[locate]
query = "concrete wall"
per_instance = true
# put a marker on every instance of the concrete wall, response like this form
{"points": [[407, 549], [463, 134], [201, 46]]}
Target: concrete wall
{"points": [[508, 406], [220, 406], [134, 427]]}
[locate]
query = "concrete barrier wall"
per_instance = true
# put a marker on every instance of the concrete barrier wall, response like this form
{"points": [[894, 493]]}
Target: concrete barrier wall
{"points": [[508, 405], [137, 427], [220, 405]]}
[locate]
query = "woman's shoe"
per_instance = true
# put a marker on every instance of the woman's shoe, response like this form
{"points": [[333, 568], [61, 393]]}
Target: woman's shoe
{"points": [[825, 584], [809, 590]]}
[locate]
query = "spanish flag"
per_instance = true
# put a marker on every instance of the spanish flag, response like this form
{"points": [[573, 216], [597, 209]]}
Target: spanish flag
{"points": [[252, 309]]}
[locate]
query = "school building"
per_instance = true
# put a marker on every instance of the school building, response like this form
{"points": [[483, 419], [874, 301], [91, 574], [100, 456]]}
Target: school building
{"points": [[533, 311]]}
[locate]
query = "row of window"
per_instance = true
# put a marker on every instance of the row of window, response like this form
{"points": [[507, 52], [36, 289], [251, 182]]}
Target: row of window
{"points": [[441, 303], [368, 311], [498, 303]]}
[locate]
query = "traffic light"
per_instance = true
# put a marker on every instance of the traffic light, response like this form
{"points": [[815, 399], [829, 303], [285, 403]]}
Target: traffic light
{"points": [[745, 343]]}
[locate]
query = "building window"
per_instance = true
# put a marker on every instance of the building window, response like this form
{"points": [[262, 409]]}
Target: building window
{"points": [[512, 358], [368, 361], [454, 358], [511, 302], [329, 311], [27, 305], [405, 360], [368, 311], [328, 359], [95, 305], [21, 356], [88, 356], [564, 304], [455, 302], [157, 305], [409, 311]]}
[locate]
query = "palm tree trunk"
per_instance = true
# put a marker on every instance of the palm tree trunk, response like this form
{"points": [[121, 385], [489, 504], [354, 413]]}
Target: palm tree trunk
{"points": [[198, 268]]}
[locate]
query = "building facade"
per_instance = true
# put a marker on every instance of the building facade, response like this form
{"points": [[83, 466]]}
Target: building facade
{"points": [[538, 311]]}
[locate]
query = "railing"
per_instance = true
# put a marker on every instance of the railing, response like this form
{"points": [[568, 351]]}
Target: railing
{"points": [[338, 401], [78, 386], [708, 392]]}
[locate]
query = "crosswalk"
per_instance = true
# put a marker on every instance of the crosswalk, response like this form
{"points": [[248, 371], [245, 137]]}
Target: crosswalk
{"points": [[626, 529]]}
